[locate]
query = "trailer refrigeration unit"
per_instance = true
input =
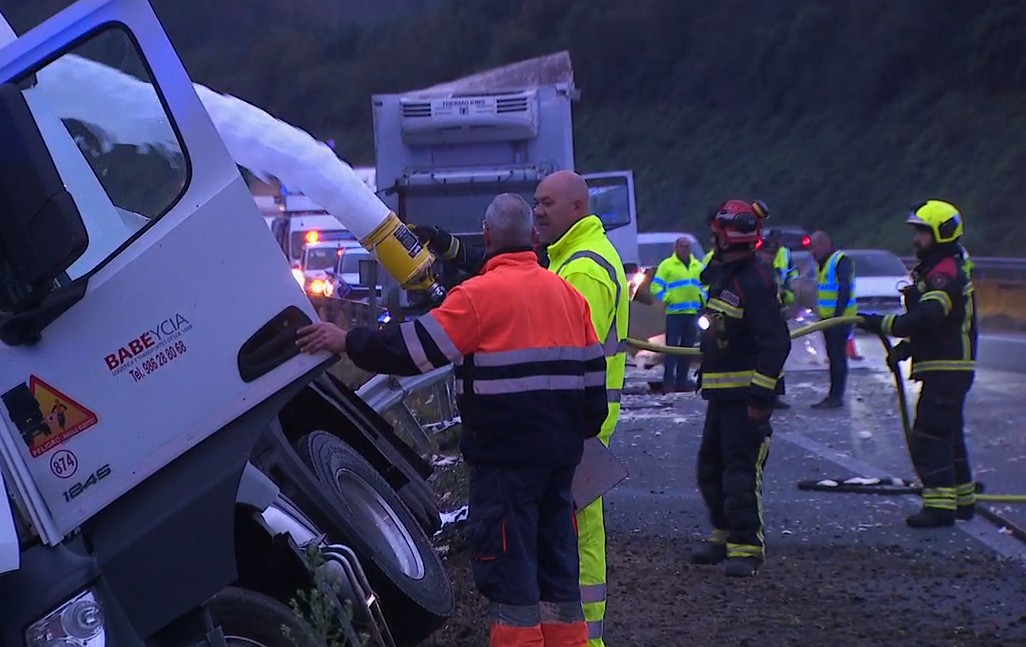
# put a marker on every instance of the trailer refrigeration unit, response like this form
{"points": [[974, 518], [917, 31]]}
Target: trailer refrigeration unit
{"points": [[443, 153], [172, 471]]}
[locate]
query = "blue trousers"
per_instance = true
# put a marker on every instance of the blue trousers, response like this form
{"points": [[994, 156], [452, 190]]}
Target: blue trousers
{"points": [[680, 331], [836, 341], [522, 535]]}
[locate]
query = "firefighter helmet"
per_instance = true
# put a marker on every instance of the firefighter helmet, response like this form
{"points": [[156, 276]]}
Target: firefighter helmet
{"points": [[942, 218], [737, 222]]}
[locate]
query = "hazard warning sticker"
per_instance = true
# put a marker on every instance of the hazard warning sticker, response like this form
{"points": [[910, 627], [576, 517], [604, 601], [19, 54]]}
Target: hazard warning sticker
{"points": [[62, 418]]}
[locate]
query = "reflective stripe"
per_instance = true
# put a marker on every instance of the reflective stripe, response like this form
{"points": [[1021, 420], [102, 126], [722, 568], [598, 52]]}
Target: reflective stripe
{"points": [[591, 593], [595, 629], [612, 345], [612, 395], [683, 283], [414, 347], [965, 493], [685, 306], [719, 536], [530, 383], [549, 354], [830, 289], [758, 379], [887, 325], [744, 550], [440, 337], [726, 308], [944, 365], [655, 280], [734, 380], [595, 378], [942, 498], [939, 296]]}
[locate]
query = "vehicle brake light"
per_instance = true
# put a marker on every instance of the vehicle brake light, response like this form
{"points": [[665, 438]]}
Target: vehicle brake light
{"points": [[806, 241], [758, 244], [312, 236]]}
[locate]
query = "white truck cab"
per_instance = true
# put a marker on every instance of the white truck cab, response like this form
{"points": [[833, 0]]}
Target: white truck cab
{"points": [[168, 458]]}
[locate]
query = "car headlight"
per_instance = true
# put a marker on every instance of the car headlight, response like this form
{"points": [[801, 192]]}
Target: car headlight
{"points": [[78, 622]]}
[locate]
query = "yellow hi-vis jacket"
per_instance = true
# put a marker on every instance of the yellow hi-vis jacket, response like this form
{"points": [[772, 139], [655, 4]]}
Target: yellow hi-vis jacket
{"points": [[678, 285], [589, 262], [787, 272]]}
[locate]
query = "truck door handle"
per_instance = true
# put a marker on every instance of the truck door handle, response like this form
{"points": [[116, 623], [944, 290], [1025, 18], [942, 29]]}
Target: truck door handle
{"points": [[272, 345]]}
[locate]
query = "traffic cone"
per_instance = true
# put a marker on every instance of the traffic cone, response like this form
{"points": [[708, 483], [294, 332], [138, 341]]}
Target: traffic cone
{"points": [[853, 352]]}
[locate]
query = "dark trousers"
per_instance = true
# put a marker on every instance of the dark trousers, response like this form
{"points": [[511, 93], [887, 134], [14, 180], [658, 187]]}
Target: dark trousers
{"points": [[522, 535], [836, 340], [730, 462], [680, 331], [937, 444]]}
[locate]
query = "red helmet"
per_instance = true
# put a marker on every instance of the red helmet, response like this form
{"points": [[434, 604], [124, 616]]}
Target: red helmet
{"points": [[737, 222]]}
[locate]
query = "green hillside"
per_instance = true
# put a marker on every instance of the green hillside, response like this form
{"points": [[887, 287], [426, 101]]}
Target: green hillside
{"points": [[839, 114]]}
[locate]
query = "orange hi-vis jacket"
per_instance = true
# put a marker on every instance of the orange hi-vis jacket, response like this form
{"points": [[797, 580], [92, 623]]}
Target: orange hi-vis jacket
{"points": [[530, 372]]}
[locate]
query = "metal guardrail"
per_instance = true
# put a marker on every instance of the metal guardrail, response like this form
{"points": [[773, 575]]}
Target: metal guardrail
{"points": [[988, 267]]}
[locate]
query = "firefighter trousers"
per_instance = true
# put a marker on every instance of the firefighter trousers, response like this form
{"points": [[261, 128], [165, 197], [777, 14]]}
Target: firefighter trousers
{"points": [[937, 444], [730, 463], [523, 543]]}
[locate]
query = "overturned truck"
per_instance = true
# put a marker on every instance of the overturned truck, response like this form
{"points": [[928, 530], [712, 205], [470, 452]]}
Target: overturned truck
{"points": [[174, 472]]}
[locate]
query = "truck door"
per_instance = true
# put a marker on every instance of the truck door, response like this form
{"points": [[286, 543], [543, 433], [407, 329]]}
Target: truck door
{"points": [[178, 274], [612, 200]]}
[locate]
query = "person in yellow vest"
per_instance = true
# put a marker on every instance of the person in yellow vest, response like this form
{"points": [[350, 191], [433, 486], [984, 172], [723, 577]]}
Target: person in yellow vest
{"points": [[836, 279], [579, 251], [678, 285]]}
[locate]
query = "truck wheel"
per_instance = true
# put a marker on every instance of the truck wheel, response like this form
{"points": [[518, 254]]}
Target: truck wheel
{"points": [[401, 564], [420, 500], [251, 619]]}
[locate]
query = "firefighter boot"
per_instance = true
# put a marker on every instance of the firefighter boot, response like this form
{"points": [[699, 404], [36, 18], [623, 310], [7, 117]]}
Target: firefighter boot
{"points": [[743, 566], [709, 553], [931, 518]]}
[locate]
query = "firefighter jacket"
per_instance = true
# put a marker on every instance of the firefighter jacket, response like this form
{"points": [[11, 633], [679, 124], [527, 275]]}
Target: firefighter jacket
{"points": [[530, 372], [678, 286], [786, 273], [585, 257], [744, 337], [836, 279], [940, 321]]}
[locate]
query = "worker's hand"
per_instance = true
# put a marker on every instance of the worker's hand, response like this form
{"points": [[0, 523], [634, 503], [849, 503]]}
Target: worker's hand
{"points": [[321, 336], [872, 323], [423, 233], [446, 244], [899, 353]]}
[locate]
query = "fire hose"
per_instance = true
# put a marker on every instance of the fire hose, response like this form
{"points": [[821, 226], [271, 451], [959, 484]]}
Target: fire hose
{"points": [[859, 484]]}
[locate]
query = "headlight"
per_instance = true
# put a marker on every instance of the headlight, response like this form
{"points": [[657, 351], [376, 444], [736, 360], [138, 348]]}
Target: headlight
{"points": [[704, 323], [320, 287], [78, 622]]}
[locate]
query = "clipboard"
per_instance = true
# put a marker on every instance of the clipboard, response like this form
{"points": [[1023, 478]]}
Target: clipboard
{"points": [[598, 472]]}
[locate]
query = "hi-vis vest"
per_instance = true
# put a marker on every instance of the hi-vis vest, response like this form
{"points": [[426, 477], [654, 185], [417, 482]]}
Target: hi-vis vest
{"points": [[588, 261], [786, 272], [678, 285], [830, 289]]}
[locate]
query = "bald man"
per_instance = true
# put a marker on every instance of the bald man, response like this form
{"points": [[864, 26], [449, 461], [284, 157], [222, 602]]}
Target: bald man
{"points": [[579, 251], [836, 280]]}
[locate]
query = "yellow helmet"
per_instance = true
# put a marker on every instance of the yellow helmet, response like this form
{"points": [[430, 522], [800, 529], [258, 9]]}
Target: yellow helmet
{"points": [[941, 217]]}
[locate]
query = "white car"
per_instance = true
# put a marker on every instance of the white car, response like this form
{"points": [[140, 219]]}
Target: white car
{"points": [[880, 277]]}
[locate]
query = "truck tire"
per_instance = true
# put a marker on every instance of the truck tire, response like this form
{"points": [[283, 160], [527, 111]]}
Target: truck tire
{"points": [[420, 500], [400, 562], [252, 619]]}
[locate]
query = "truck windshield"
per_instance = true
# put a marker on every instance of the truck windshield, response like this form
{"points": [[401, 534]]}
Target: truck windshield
{"points": [[111, 139], [321, 258], [610, 201]]}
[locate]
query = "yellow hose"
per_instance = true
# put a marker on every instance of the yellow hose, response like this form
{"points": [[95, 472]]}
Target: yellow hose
{"points": [[899, 381]]}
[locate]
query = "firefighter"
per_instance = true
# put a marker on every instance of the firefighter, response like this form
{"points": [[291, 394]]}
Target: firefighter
{"points": [[771, 252], [940, 331], [676, 283], [745, 342], [579, 251], [530, 374]]}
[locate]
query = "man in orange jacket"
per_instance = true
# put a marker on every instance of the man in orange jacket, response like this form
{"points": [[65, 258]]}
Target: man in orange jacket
{"points": [[530, 384]]}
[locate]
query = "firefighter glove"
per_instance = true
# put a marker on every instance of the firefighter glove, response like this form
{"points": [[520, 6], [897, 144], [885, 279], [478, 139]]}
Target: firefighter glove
{"points": [[872, 323], [899, 353]]}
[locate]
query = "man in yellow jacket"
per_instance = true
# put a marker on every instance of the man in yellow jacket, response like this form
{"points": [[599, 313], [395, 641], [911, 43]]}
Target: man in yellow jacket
{"points": [[579, 252], [677, 283]]}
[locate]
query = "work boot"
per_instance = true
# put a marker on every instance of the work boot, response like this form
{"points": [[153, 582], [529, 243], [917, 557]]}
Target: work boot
{"points": [[931, 518], [828, 403], [965, 512], [743, 566], [709, 553]]}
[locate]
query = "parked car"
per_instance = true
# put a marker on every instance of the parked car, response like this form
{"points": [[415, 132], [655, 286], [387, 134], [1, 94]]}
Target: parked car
{"points": [[791, 236], [880, 277]]}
